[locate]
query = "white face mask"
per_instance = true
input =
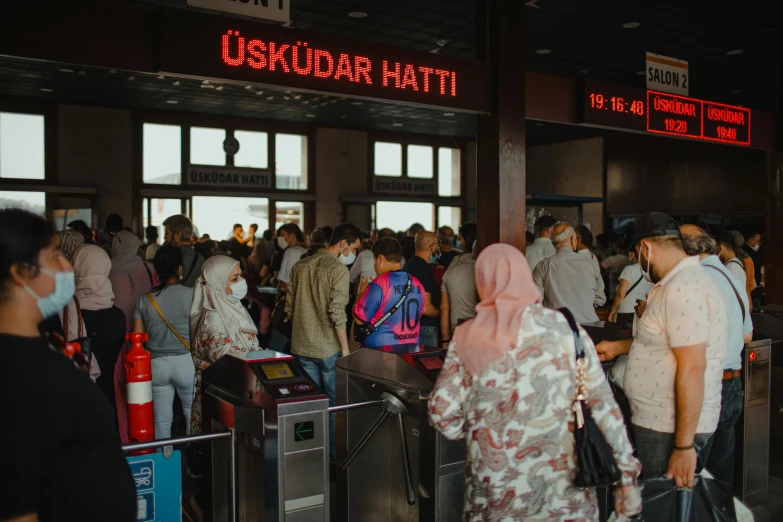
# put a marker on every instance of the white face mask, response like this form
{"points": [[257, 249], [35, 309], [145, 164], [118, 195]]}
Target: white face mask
{"points": [[646, 270], [755, 248], [238, 291], [347, 260], [282, 243]]}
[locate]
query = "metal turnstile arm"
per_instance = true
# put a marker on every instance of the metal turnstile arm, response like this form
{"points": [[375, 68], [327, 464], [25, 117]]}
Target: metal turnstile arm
{"points": [[367, 436], [406, 463]]}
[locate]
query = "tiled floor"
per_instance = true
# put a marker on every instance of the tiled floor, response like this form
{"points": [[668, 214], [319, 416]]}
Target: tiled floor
{"points": [[772, 510]]}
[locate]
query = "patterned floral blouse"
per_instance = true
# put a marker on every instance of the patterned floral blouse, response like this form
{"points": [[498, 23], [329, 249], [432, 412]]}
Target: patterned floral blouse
{"points": [[517, 418], [209, 345]]}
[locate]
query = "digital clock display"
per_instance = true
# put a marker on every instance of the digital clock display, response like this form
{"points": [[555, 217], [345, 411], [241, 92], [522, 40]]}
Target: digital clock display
{"points": [[633, 109]]}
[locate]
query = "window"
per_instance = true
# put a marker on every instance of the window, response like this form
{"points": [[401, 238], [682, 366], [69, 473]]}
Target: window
{"points": [[289, 212], [399, 215], [22, 146], [291, 161], [160, 210], [388, 159], [162, 154], [33, 201], [62, 217], [206, 146], [449, 172], [216, 215], [420, 161], [252, 149], [450, 217]]}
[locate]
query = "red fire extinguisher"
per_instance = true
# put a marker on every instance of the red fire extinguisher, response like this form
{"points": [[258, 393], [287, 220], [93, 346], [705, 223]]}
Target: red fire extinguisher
{"points": [[138, 374]]}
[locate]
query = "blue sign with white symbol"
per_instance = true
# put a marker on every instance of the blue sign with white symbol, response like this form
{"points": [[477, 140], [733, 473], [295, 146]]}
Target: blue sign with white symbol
{"points": [[158, 487]]}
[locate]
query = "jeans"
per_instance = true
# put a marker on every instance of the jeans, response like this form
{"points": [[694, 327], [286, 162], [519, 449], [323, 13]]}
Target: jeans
{"points": [[653, 449], [720, 461], [428, 336], [321, 371], [170, 374]]}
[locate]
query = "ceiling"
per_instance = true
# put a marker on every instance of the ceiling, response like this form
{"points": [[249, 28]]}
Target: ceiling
{"points": [[585, 39]]}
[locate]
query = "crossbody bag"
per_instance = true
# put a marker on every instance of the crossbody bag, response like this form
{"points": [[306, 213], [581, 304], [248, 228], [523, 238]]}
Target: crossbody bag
{"points": [[363, 331], [154, 304], [739, 299]]}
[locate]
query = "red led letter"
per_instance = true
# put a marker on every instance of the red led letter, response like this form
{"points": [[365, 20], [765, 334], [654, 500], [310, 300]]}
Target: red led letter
{"points": [[443, 74], [254, 48], [343, 67], [453, 83], [277, 56], [308, 60], [409, 78], [234, 62], [393, 74], [426, 71], [362, 67], [321, 73]]}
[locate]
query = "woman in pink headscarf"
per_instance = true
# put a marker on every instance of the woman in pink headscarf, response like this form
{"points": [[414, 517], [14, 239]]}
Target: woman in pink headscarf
{"points": [[507, 386], [130, 278]]}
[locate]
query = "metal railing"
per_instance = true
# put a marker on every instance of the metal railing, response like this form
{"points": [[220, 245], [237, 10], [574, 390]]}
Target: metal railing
{"points": [[232, 483]]}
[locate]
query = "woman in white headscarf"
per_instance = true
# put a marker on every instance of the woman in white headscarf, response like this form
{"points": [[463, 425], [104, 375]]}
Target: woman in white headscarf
{"points": [[219, 324], [91, 313]]}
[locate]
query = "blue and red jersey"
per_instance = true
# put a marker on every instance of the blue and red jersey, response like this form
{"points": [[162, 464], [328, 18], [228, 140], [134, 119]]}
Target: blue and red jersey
{"points": [[380, 296]]}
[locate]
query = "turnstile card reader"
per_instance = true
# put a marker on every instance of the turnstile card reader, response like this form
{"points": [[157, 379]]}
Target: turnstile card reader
{"points": [[280, 417], [400, 468]]}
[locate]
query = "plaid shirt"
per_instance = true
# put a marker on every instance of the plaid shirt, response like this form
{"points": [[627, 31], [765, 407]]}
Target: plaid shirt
{"points": [[315, 302]]}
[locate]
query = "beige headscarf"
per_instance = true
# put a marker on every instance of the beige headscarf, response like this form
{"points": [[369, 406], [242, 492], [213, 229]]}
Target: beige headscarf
{"points": [[70, 241], [130, 276], [212, 306], [91, 266]]}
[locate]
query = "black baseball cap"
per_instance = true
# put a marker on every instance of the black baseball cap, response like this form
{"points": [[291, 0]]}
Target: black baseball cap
{"points": [[655, 224], [545, 222]]}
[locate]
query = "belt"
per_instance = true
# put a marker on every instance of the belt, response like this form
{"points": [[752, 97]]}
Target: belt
{"points": [[730, 374]]}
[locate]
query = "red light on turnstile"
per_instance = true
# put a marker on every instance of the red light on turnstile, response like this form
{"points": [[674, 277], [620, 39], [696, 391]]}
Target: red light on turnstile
{"points": [[752, 356]]}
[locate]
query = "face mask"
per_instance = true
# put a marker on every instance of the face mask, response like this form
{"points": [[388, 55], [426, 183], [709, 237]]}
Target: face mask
{"points": [[238, 291], [458, 244], [755, 248], [646, 270], [282, 243], [64, 288], [347, 260]]}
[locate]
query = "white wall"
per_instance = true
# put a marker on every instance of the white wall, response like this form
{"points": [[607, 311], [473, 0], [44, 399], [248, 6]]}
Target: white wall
{"points": [[341, 169], [94, 149], [569, 168]]}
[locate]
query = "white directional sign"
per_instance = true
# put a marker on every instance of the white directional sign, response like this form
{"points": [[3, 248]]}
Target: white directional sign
{"points": [[667, 74]]}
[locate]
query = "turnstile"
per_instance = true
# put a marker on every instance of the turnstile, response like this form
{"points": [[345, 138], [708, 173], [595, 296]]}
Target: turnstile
{"points": [[751, 455], [282, 448], [378, 483]]}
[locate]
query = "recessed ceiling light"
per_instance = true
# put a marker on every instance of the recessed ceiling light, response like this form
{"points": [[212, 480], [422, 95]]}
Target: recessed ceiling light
{"points": [[631, 25], [131, 78], [161, 77], [448, 114], [270, 97], [82, 73], [260, 92], [299, 96], [442, 42], [248, 87], [543, 51], [396, 124], [357, 14], [737, 91], [172, 102], [176, 84], [207, 86], [640, 73], [113, 71], [310, 115], [44, 89], [219, 88], [66, 70], [356, 103], [734, 52], [538, 124]]}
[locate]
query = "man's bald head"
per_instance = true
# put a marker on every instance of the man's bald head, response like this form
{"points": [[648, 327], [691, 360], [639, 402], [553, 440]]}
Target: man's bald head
{"points": [[696, 241], [563, 235], [425, 240]]}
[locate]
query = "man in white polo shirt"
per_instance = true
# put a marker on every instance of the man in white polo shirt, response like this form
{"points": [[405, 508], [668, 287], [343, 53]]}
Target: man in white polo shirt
{"points": [[675, 360]]}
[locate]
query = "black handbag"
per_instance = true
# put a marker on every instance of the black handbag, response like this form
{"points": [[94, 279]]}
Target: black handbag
{"points": [[363, 331], [595, 462]]}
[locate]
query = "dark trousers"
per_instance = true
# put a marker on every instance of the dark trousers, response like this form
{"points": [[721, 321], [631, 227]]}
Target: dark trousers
{"points": [[720, 462], [653, 449]]}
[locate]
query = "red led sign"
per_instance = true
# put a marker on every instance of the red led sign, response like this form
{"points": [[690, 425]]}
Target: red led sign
{"points": [[608, 105], [211, 47]]}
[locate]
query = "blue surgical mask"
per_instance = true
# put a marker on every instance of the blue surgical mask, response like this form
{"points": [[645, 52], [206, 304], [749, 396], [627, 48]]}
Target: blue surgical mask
{"points": [[64, 288], [458, 244], [238, 291]]}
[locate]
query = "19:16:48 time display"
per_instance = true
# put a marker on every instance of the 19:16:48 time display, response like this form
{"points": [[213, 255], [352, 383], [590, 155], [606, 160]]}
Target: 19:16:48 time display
{"points": [[616, 104]]}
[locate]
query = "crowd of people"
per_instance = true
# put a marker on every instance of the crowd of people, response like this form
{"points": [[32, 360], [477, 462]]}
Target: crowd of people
{"points": [[686, 295]]}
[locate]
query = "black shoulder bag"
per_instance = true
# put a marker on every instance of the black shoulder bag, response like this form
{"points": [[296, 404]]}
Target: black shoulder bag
{"points": [[595, 462], [363, 331]]}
